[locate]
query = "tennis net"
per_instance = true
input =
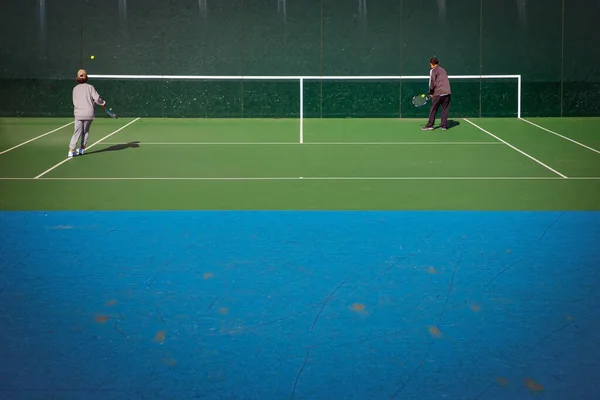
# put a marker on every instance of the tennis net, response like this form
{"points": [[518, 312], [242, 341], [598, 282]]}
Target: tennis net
{"points": [[304, 96]]}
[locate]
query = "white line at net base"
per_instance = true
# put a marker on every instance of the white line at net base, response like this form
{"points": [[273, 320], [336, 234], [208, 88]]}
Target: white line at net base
{"points": [[87, 148], [291, 77], [514, 148], [316, 178], [305, 143], [37, 137], [559, 135]]}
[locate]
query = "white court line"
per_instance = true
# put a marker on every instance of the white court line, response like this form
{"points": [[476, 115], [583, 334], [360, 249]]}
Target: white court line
{"points": [[88, 147], [36, 138], [304, 144], [558, 134], [315, 178], [514, 148]]}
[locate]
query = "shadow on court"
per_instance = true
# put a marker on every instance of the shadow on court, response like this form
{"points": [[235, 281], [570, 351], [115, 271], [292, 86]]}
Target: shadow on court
{"points": [[451, 124], [116, 147]]}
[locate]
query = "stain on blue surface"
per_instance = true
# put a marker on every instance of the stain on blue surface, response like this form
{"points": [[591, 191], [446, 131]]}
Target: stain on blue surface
{"points": [[303, 305]]}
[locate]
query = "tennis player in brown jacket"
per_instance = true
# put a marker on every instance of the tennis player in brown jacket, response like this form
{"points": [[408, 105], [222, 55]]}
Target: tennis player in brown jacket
{"points": [[440, 93]]}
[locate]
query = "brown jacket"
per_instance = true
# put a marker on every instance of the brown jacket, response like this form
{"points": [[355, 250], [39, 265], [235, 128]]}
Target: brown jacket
{"points": [[438, 82]]}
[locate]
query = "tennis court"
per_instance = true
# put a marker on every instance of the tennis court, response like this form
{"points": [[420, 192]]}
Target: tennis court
{"points": [[133, 271], [267, 220], [341, 164]]}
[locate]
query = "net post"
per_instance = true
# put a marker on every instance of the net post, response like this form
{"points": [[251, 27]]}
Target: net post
{"points": [[301, 110], [519, 97]]}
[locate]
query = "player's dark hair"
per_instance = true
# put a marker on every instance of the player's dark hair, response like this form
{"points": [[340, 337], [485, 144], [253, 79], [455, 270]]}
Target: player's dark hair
{"points": [[82, 79], [434, 61]]}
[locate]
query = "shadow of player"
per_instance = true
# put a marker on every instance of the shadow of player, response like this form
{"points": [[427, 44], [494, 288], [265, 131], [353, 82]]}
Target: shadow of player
{"points": [[115, 147], [451, 124]]}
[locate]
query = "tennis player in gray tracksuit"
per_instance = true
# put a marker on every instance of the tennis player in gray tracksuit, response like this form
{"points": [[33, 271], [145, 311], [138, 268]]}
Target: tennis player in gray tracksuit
{"points": [[85, 97], [440, 92]]}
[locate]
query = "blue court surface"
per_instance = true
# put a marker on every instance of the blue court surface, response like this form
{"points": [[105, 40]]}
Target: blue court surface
{"points": [[299, 305]]}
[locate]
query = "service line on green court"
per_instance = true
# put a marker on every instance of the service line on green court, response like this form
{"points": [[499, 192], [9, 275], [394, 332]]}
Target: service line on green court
{"points": [[309, 178], [514, 148], [305, 143], [559, 135], [36, 138], [89, 147]]}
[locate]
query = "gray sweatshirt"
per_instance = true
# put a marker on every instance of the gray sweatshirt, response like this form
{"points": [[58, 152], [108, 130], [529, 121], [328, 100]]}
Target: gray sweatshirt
{"points": [[84, 97], [439, 85]]}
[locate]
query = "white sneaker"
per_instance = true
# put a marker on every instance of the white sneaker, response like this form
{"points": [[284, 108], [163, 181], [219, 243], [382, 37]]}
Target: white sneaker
{"points": [[80, 151], [70, 154]]}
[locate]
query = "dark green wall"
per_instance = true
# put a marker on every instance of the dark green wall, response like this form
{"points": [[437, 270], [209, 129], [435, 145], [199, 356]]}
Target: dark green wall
{"points": [[551, 43]]}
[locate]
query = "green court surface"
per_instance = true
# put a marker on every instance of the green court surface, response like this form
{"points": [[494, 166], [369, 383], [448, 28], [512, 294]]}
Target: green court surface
{"points": [[145, 163]]}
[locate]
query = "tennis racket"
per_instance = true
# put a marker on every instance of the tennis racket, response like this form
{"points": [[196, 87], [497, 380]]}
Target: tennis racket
{"points": [[420, 100], [110, 113]]}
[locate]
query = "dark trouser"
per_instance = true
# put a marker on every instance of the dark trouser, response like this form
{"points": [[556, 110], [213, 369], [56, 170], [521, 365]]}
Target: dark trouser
{"points": [[438, 101]]}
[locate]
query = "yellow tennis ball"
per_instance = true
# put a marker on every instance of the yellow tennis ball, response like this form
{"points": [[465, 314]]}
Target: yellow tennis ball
{"points": [[92, 57], [421, 95]]}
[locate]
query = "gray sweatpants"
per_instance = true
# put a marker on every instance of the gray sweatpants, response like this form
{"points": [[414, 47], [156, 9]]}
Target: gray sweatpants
{"points": [[82, 129]]}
